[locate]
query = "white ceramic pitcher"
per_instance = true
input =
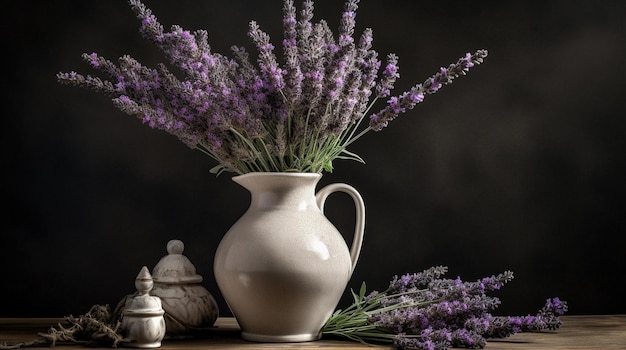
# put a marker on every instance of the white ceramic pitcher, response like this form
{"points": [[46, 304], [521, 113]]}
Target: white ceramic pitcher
{"points": [[283, 267]]}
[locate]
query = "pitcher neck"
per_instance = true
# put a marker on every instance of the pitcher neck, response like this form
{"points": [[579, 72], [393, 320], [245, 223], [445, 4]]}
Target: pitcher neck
{"points": [[272, 189]]}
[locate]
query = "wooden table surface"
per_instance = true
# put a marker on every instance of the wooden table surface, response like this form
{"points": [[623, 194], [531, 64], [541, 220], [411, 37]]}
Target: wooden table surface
{"points": [[578, 332]]}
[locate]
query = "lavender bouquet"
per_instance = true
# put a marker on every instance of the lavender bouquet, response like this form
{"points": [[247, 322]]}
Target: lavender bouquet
{"points": [[424, 311], [298, 115]]}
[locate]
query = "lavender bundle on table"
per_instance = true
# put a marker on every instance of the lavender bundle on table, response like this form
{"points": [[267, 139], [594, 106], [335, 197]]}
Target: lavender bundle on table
{"points": [[425, 311]]}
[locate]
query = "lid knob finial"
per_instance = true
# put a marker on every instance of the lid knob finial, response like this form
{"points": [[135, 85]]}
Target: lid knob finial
{"points": [[144, 282], [175, 246]]}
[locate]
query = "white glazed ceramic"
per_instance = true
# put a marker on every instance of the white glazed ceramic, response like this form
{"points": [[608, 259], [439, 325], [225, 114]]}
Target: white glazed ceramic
{"points": [[189, 307], [142, 319], [283, 267]]}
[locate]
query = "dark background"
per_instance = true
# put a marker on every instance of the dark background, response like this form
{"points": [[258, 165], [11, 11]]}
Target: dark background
{"points": [[518, 166]]}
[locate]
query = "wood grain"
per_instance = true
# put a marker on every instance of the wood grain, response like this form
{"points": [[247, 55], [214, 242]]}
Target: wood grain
{"points": [[601, 332]]}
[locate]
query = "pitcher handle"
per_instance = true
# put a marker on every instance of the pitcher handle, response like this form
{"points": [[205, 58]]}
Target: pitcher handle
{"points": [[359, 229]]}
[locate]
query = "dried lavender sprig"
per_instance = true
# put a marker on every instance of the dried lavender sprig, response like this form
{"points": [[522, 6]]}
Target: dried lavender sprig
{"points": [[293, 87], [399, 104], [389, 76], [97, 327], [546, 318], [93, 83], [267, 59], [416, 280], [353, 322], [347, 22]]}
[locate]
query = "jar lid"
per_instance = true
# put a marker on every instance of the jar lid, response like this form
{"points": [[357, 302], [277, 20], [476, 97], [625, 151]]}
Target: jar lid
{"points": [[175, 268], [142, 303]]}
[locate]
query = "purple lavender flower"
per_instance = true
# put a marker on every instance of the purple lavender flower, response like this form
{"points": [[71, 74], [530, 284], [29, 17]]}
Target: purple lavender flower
{"points": [[546, 318], [290, 48], [555, 306], [267, 60], [347, 23], [389, 76], [416, 280], [467, 338], [399, 104]]}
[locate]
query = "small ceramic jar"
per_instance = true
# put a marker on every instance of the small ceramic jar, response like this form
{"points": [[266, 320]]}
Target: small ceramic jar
{"points": [[142, 319], [189, 307]]}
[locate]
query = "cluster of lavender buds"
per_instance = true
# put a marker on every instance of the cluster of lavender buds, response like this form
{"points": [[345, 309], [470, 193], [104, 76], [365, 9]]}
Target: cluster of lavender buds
{"points": [[425, 311], [292, 112]]}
